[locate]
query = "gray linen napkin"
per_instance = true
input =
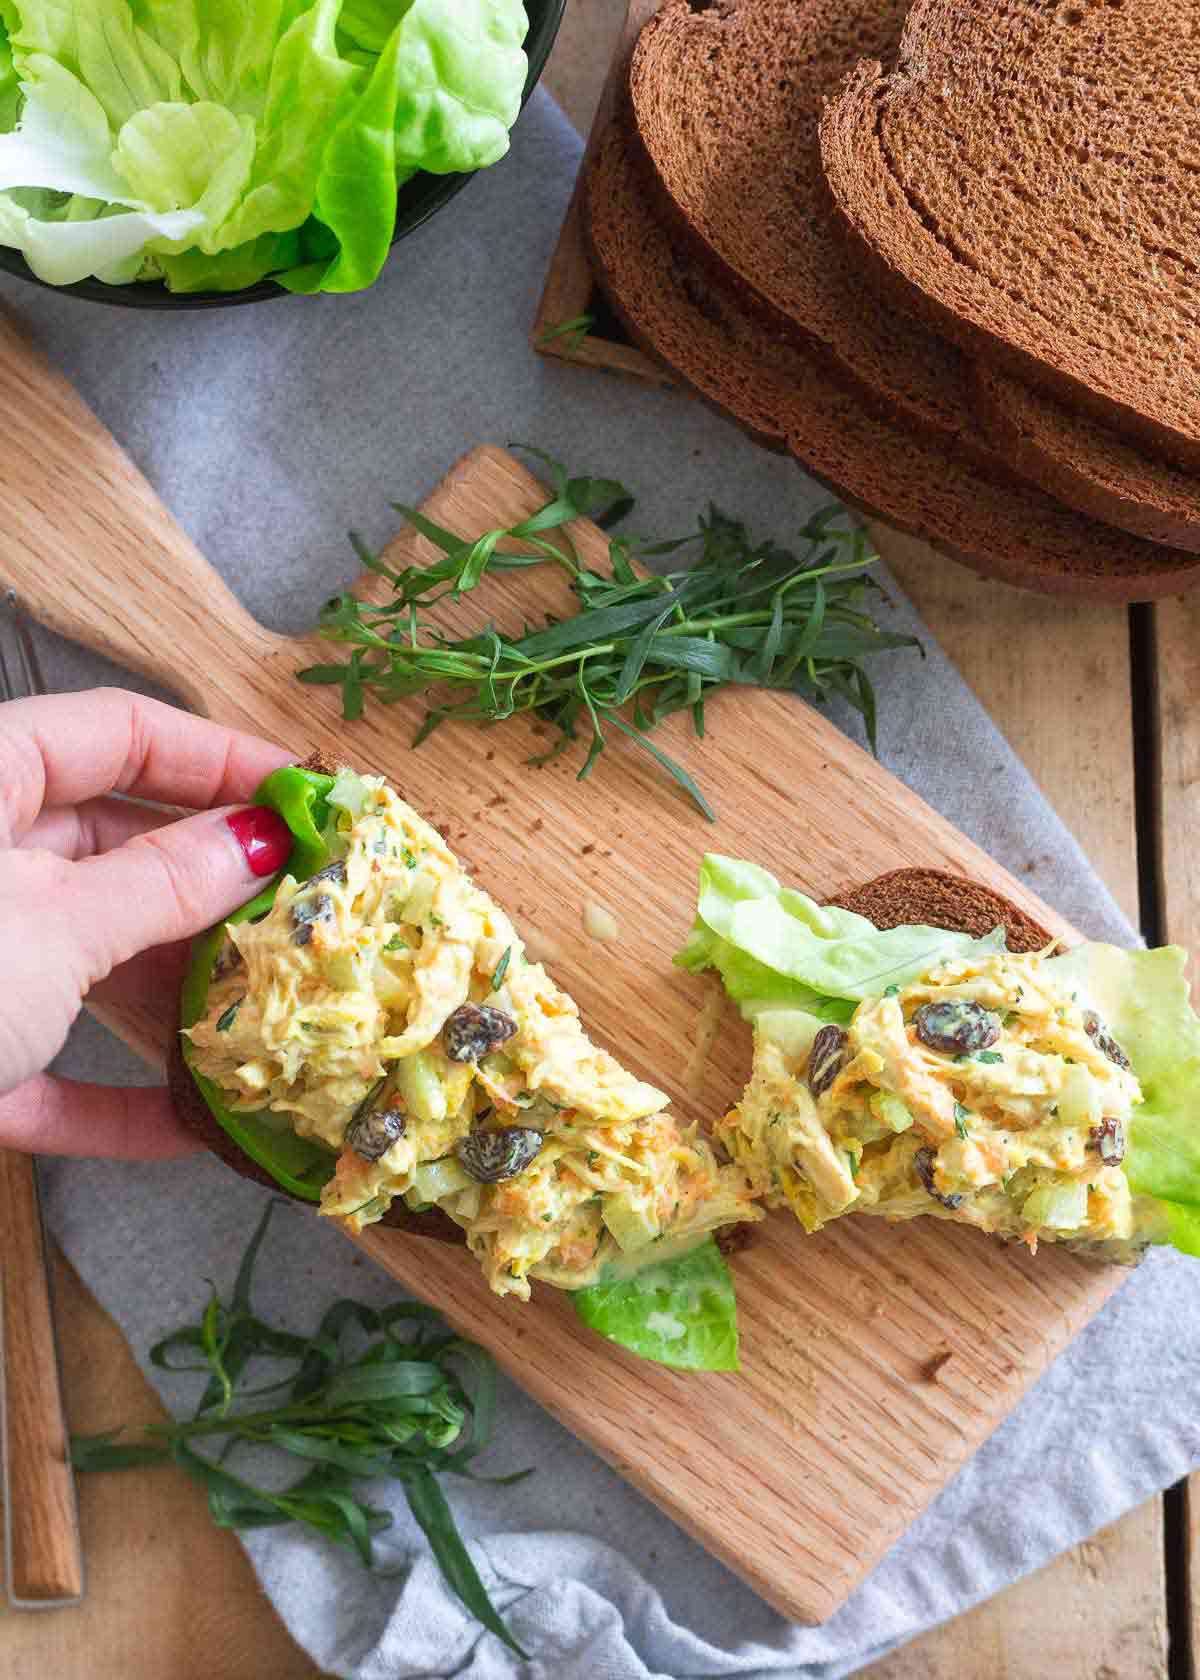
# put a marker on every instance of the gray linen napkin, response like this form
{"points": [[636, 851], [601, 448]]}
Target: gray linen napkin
{"points": [[269, 432]]}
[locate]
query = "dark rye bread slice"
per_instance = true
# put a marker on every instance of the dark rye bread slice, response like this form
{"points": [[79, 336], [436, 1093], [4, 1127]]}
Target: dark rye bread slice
{"points": [[1025, 177], [932, 898], [1084, 464], [726, 101], [788, 400]]}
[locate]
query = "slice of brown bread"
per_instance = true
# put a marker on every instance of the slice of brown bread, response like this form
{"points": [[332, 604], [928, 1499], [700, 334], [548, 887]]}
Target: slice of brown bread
{"points": [[1024, 177], [1084, 464], [933, 898], [744, 176], [726, 101], [788, 400]]}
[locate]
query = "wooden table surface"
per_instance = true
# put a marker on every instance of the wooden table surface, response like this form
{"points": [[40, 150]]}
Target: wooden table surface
{"points": [[1096, 701]]}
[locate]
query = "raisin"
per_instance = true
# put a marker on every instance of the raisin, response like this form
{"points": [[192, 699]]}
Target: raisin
{"points": [[372, 1134], [307, 911], [335, 872], [474, 1029], [956, 1026], [492, 1156], [1100, 1036], [1109, 1138], [923, 1162], [826, 1059], [229, 958]]}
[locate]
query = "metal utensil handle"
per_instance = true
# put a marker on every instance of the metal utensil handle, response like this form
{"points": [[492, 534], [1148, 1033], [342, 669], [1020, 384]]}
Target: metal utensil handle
{"points": [[43, 1556]]}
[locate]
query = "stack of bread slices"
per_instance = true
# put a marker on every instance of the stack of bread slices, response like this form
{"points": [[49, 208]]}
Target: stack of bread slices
{"points": [[946, 253]]}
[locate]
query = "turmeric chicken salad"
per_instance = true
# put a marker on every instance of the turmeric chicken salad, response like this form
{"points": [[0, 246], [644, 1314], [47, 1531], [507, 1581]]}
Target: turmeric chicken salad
{"points": [[1041, 1096], [373, 1036], [385, 1008], [984, 1092]]}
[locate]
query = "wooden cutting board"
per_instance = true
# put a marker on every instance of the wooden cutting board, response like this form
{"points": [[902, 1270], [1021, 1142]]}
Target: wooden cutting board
{"points": [[874, 1359]]}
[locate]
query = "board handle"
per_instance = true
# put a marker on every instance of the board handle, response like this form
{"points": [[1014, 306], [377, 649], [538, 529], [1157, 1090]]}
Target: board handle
{"points": [[43, 1553], [91, 551]]}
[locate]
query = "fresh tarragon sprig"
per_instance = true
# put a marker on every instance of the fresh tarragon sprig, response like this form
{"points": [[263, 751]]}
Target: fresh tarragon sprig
{"points": [[639, 647], [415, 1402]]}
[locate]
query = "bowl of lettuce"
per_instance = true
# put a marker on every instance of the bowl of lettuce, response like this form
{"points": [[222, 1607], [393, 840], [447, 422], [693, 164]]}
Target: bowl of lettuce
{"points": [[192, 153]]}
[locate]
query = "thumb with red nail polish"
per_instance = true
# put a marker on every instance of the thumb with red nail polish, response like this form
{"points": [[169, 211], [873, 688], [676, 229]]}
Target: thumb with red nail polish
{"points": [[175, 881], [101, 892], [263, 836]]}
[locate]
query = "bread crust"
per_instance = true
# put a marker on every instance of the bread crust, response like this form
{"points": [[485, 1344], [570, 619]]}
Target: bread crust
{"points": [[725, 103], [1038, 109], [1082, 463], [787, 400]]}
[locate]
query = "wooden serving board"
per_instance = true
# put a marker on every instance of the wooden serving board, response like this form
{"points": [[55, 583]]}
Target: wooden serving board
{"points": [[875, 1359]]}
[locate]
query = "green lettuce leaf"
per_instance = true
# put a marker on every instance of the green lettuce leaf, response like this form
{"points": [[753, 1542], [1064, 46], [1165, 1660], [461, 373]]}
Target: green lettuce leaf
{"points": [[356, 191], [301, 1166], [462, 73], [9, 89], [776, 949], [231, 271], [177, 156], [310, 84], [367, 25], [443, 94], [63, 142], [188, 129], [682, 1312], [1142, 996], [108, 246], [224, 48]]}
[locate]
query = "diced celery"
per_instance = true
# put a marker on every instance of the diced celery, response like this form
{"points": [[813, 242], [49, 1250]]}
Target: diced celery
{"points": [[1058, 1206], [466, 1204], [793, 1030], [349, 792], [631, 1220], [418, 1083], [1079, 1101], [434, 1179], [341, 970], [891, 1111]]}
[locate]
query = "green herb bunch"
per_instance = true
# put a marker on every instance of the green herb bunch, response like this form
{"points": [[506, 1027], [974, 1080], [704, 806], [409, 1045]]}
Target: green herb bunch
{"points": [[397, 1410], [639, 647]]}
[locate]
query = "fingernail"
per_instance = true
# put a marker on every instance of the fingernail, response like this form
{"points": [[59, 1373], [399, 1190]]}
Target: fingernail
{"points": [[263, 836]]}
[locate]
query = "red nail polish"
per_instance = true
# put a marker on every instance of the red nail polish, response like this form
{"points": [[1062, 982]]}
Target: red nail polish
{"points": [[263, 836]]}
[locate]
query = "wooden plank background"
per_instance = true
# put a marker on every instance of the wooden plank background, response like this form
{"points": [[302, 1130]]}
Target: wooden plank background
{"points": [[1098, 1612]]}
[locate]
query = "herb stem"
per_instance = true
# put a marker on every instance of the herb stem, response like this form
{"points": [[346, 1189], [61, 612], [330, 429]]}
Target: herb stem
{"points": [[640, 646]]}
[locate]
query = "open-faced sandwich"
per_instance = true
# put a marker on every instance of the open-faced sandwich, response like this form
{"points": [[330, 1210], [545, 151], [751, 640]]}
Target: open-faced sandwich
{"points": [[369, 1035], [968, 1069]]}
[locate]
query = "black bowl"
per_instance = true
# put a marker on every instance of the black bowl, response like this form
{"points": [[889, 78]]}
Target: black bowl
{"points": [[417, 201]]}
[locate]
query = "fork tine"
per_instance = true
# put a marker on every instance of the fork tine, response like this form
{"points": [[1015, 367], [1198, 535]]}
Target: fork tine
{"points": [[26, 676], [35, 682], [6, 687]]}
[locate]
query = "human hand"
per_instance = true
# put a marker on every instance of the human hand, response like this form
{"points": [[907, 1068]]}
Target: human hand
{"points": [[99, 894]]}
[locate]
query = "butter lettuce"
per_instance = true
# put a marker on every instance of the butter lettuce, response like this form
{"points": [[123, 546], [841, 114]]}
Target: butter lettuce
{"points": [[681, 1313], [211, 142], [1142, 997], [789, 962], [777, 949]]}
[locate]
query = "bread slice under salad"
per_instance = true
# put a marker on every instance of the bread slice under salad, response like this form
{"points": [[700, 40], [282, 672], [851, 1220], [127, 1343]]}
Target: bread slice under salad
{"points": [[369, 1035]]}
